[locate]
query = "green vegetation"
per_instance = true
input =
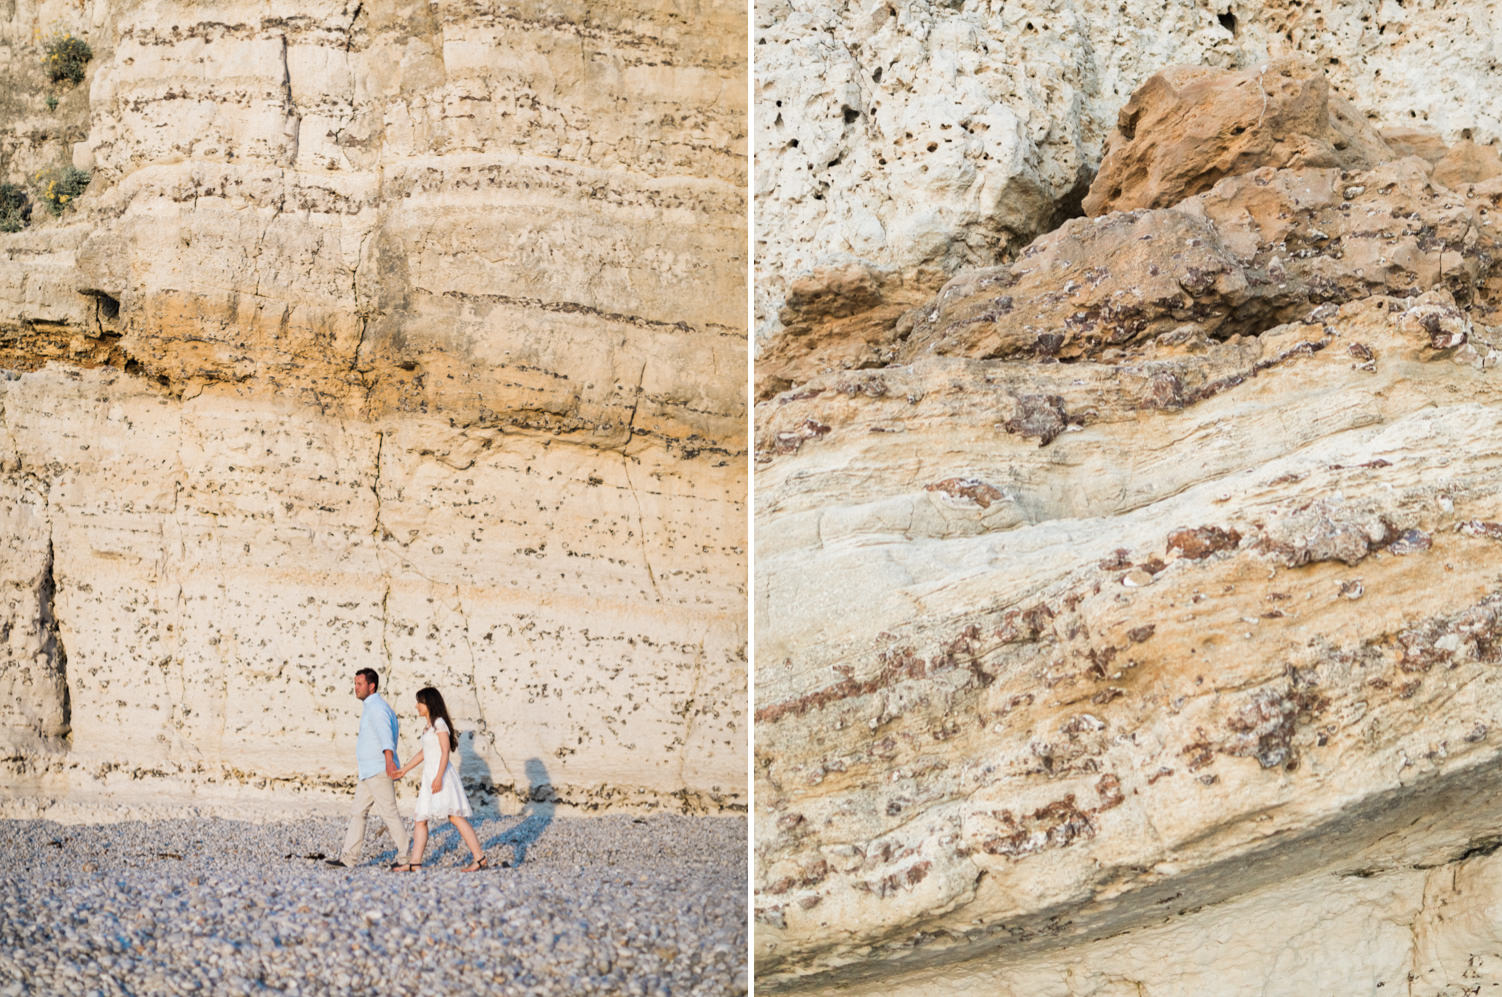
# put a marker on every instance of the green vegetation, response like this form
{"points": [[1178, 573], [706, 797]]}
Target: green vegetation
{"points": [[66, 57], [15, 208], [52, 102], [59, 188]]}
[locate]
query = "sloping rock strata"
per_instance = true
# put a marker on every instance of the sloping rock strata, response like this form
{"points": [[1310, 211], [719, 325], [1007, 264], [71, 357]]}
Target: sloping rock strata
{"points": [[1151, 571]]}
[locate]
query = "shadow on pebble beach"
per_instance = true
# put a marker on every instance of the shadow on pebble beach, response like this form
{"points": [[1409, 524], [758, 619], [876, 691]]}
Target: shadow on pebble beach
{"points": [[535, 816], [496, 830]]}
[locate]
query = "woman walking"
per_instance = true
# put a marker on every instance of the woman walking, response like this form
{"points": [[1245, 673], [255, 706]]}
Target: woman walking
{"points": [[441, 797]]}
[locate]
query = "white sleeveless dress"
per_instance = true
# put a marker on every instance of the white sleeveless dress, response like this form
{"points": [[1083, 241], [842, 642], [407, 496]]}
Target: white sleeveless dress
{"points": [[450, 801]]}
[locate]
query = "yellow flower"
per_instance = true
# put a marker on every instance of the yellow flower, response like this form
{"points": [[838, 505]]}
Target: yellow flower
{"points": [[64, 199]]}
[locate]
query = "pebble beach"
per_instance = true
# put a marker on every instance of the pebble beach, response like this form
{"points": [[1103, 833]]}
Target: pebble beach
{"points": [[652, 905]]}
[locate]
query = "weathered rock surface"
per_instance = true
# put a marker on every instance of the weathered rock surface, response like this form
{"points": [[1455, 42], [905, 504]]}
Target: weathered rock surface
{"points": [[1151, 573], [837, 318], [1356, 918], [392, 335], [1189, 126], [922, 137], [1255, 251]]}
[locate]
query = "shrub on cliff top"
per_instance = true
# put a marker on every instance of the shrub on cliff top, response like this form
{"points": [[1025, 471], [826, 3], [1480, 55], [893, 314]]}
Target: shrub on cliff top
{"points": [[15, 208], [66, 58], [59, 188]]}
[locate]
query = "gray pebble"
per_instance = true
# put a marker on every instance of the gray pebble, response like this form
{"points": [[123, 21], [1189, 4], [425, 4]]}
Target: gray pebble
{"points": [[601, 905]]}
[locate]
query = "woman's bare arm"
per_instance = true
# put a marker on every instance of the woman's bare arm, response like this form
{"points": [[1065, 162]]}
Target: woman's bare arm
{"points": [[443, 760], [412, 763]]}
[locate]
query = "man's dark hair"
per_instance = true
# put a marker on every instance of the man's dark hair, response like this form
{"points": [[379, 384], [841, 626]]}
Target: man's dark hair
{"points": [[371, 677]]}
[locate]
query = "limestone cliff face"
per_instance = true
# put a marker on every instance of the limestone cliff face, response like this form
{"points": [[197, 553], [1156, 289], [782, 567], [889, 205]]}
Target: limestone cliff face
{"points": [[1135, 589], [904, 141], [400, 335]]}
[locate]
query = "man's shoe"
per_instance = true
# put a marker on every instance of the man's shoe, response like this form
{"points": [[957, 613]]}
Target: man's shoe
{"points": [[335, 863]]}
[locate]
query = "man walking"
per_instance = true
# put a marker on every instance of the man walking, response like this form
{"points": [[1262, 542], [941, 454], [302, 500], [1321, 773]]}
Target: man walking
{"points": [[375, 754]]}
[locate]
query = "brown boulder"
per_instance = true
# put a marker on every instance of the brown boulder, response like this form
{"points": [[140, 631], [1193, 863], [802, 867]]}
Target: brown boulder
{"points": [[1188, 127]]}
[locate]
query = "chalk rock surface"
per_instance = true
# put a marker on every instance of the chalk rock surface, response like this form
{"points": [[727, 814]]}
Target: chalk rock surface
{"points": [[921, 137], [1152, 571], [400, 336]]}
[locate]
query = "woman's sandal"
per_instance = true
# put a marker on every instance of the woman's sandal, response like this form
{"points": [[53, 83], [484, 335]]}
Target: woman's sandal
{"points": [[406, 867], [477, 865]]}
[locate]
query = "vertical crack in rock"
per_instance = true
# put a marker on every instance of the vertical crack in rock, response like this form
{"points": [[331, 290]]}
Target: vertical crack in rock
{"points": [[1415, 925], [174, 650], [177, 645], [583, 31], [349, 36], [385, 629], [55, 654], [641, 376], [354, 291], [641, 528], [12, 459], [354, 359], [354, 96], [105, 306], [379, 533], [688, 718], [366, 377], [261, 243], [378, 528], [293, 126]]}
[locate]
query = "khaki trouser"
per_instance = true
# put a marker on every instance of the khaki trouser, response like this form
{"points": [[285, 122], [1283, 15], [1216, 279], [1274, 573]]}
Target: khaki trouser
{"points": [[380, 792]]}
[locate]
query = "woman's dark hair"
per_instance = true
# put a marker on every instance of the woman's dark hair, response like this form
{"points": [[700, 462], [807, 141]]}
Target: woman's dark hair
{"points": [[433, 700]]}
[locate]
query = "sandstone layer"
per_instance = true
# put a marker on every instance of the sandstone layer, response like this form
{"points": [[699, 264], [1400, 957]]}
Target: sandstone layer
{"points": [[1412, 919], [914, 139], [1140, 587], [390, 335]]}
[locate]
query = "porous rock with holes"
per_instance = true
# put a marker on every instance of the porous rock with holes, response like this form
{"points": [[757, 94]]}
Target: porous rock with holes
{"points": [[912, 139], [1128, 614]]}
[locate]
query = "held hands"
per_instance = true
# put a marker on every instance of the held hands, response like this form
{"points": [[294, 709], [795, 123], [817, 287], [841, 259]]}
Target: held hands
{"points": [[412, 763], [392, 772]]}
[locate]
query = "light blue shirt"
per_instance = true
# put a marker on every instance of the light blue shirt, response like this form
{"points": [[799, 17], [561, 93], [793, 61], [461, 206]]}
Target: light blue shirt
{"points": [[377, 735]]}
